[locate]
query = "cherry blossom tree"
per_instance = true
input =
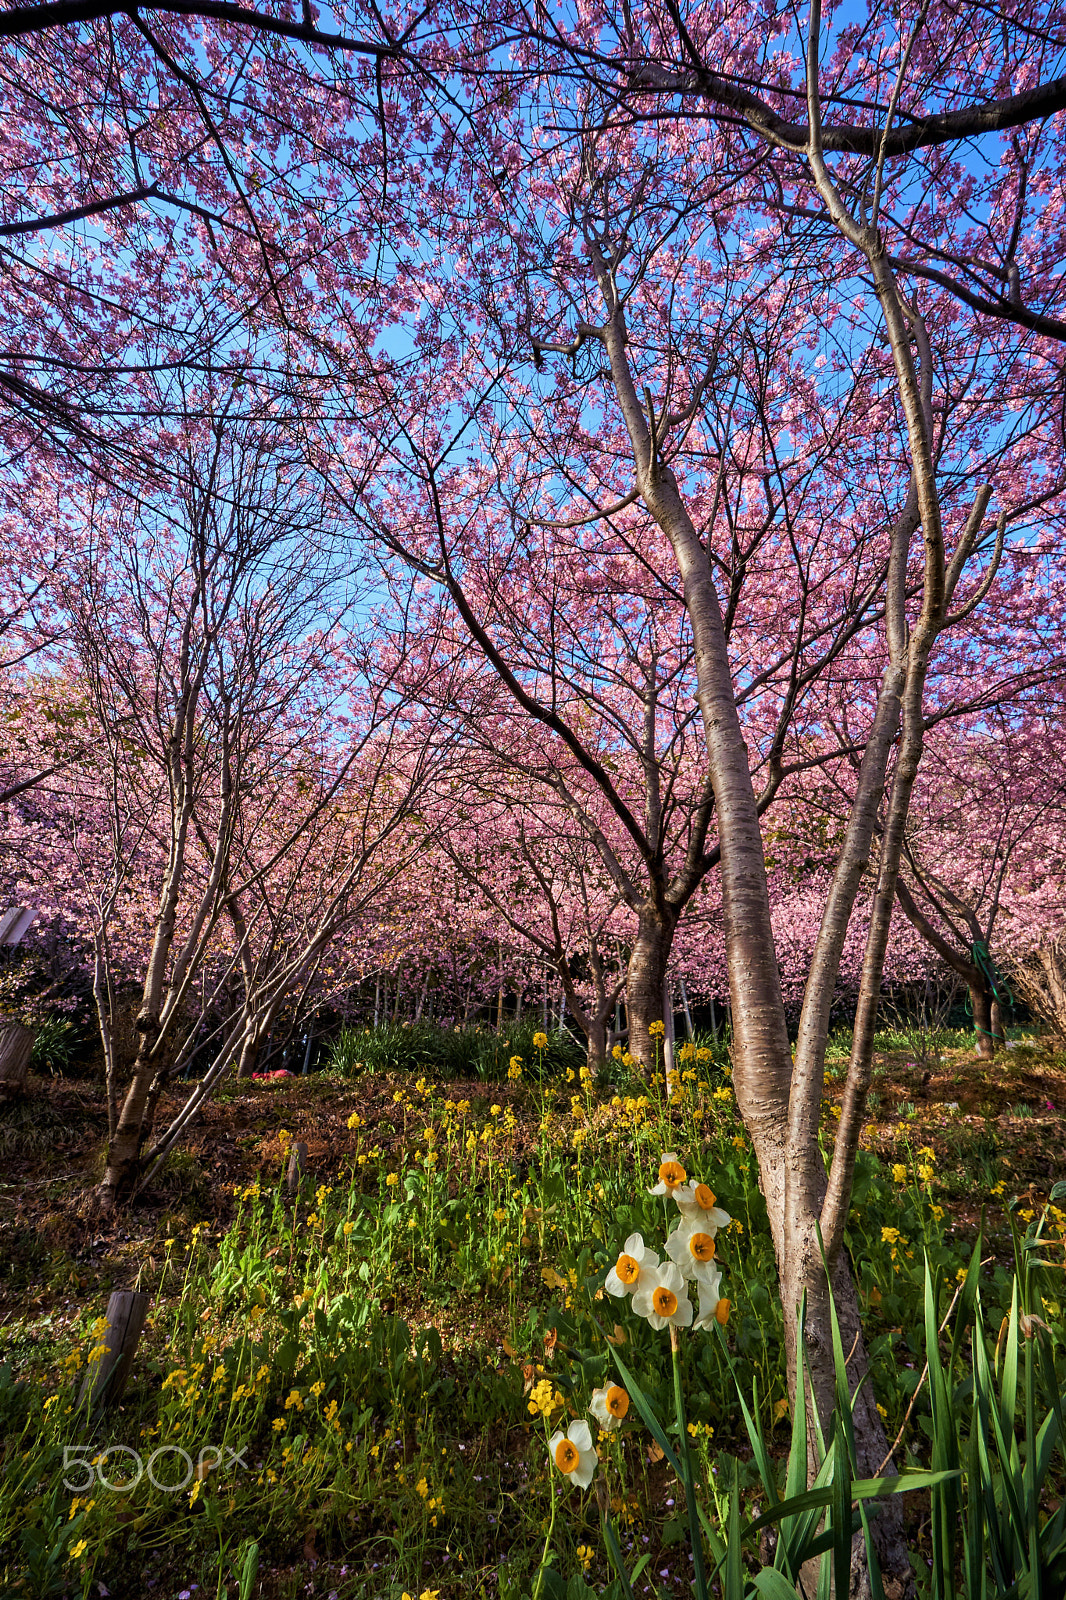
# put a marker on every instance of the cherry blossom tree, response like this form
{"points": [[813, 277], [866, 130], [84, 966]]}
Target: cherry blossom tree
{"points": [[613, 262], [205, 627], [983, 846], [542, 878]]}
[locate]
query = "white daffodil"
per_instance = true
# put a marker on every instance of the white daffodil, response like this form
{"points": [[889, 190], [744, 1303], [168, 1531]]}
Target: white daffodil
{"points": [[632, 1267], [609, 1406], [671, 1174], [712, 1307], [574, 1453], [696, 1200], [692, 1251], [665, 1299]]}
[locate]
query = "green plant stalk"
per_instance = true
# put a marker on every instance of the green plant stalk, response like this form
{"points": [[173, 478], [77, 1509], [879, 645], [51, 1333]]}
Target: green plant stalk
{"points": [[699, 1574], [539, 1584]]}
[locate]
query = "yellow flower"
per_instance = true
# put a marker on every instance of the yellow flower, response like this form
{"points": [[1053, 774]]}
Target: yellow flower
{"points": [[278, 1424], [348, 1228], [657, 1029], [899, 1172], [317, 1388], [422, 1488], [355, 1120], [80, 1548], [392, 1180], [890, 1235], [540, 1041], [544, 1398]]}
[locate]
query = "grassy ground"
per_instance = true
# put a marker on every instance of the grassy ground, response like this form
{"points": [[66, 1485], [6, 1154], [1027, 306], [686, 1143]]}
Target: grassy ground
{"points": [[365, 1375]]}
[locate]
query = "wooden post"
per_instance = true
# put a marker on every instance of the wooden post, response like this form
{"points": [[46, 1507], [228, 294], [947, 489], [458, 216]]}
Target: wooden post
{"points": [[16, 1047], [297, 1166], [668, 1038], [684, 1006], [108, 1375]]}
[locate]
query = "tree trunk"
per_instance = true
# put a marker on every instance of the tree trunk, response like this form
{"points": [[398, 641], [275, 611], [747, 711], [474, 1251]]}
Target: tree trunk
{"points": [[597, 1042], [981, 1001], [999, 1037], [16, 1047], [762, 1061], [124, 1150], [249, 1056], [644, 987], [871, 1441]]}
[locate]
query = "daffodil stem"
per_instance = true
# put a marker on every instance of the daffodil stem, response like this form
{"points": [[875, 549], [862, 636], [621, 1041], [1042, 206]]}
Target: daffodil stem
{"points": [[538, 1586], [695, 1537]]}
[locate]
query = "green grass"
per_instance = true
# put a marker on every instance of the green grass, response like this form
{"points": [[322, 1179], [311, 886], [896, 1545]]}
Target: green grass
{"points": [[368, 1348], [452, 1053]]}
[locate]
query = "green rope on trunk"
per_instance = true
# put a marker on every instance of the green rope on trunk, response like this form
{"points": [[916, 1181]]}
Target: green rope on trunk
{"points": [[994, 981]]}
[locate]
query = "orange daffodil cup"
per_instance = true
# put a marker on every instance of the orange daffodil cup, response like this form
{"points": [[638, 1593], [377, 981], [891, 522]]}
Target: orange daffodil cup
{"points": [[574, 1453], [635, 1268]]}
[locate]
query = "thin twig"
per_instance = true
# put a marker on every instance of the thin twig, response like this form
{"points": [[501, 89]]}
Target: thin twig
{"points": [[925, 1373]]}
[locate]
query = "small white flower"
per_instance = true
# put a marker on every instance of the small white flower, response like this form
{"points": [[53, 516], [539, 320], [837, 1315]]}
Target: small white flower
{"points": [[692, 1251], [609, 1406], [632, 1266], [671, 1174], [709, 1303], [574, 1453], [696, 1200], [665, 1299]]}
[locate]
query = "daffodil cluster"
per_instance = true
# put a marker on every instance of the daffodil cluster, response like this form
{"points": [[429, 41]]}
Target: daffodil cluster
{"points": [[573, 1452], [659, 1290]]}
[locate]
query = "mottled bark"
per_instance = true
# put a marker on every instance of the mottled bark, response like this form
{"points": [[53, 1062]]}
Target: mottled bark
{"points": [[981, 1006], [644, 986]]}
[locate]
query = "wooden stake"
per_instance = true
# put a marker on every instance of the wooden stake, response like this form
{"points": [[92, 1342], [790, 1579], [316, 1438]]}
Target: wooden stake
{"points": [[16, 1047], [297, 1166], [108, 1375]]}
